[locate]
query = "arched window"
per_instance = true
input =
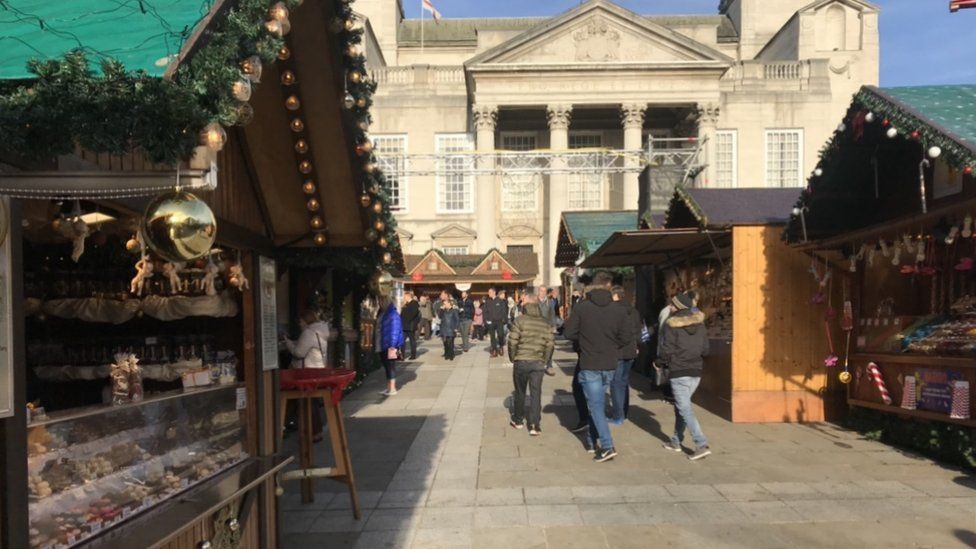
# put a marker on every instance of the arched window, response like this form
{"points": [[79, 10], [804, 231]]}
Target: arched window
{"points": [[836, 28]]}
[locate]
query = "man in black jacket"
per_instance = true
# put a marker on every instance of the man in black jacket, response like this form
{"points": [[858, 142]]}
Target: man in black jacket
{"points": [[601, 329], [466, 312], [496, 315], [410, 318], [684, 344], [620, 389]]}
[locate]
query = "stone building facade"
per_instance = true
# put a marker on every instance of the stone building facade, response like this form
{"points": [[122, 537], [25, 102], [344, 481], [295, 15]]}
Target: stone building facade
{"points": [[756, 89]]}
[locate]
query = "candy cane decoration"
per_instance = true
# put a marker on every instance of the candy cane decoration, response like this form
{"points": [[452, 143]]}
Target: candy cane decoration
{"points": [[875, 376]]}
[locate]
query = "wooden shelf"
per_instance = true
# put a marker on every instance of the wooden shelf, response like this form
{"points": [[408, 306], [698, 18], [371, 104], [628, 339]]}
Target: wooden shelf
{"points": [[921, 360], [923, 414]]}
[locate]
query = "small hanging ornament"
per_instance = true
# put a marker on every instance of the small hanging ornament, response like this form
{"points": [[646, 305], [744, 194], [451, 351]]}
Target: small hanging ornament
{"points": [[967, 226], [841, 127], [361, 102], [292, 103], [953, 233], [382, 242], [305, 166], [370, 167], [278, 12], [968, 170], [241, 89], [355, 77], [236, 276], [934, 152], [284, 53], [133, 244], [818, 172], [348, 101], [896, 256], [379, 225], [869, 117], [885, 251], [387, 258], [313, 205], [320, 239], [316, 222], [308, 187], [364, 200], [371, 235], [278, 28], [296, 125], [287, 78], [251, 67], [914, 134], [213, 136], [244, 114], [301, 146], [844, 377], [349, 24], [178, 226], [892, 132]]}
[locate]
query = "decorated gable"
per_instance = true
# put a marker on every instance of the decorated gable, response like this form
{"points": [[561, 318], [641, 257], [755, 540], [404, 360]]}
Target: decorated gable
{"points": [[492, 264]]}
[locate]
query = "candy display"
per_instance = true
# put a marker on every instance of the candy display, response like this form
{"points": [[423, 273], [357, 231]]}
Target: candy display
{"points": [[90, 472], [874, 374]]}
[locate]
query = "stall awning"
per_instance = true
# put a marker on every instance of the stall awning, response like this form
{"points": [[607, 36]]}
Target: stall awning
{"points": [[654, 247], [581, 233]]}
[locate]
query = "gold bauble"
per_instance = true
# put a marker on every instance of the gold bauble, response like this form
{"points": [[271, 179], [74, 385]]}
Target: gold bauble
{"points": [[366, 146], [387, 258], [297, 125], [352, 51], [374, 188], [382, 242], [252, 68], [241, 90], [313, 205], [349, 24], [284, 53], [305, 167], [845, 377], [379, 225], [316, 222], [292, 103], [361, 103], [378, 207], [355, 77], [178, 226], [301, 146], [288, 78], [213, 136], [308, 187], [132, 244], [381, 283], [364, 199], [363, 124], [320, 239], [370, 167], [278, 12], [245, 114]]}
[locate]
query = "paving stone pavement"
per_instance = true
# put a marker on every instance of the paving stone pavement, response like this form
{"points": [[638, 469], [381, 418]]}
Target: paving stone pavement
{"points": [[438, 466]]}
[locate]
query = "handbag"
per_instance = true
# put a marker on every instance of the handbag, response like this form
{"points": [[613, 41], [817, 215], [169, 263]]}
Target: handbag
{"points": [[321, 352], [661, 374]]}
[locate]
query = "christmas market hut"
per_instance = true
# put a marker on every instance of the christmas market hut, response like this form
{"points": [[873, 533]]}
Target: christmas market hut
{"points": [[157, 160], [767, 349], [435, 271], [582, 233], [891, 205]]}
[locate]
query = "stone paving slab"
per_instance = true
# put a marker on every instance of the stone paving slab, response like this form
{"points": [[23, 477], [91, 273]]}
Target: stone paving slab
{"points": [[439, 466]]}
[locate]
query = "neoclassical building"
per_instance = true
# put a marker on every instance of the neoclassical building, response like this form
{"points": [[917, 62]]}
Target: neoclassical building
{"points": [[751, 92]]}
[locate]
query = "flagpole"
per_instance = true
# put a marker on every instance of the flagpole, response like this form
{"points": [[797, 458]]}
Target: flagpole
{"points": [[421, 27]]}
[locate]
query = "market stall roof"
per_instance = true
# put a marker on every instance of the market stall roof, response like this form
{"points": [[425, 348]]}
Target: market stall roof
{"points": [[715, 208], [435, 267], [868, 174], [581, 233], [145, 35], [655, 247]]}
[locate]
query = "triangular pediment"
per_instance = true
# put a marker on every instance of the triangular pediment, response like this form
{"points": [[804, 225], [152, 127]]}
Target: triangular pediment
{"points": [[859, 5], [520, 231], [433, 263], [599, 32], [492, 264], [454, 231]]}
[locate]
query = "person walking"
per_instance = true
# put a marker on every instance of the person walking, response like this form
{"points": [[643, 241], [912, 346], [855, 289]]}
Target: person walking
{"points": [[450, 323], [548, 313], [496, 313], [601, 329], [620, 388], [466, 313], [478, 322], [388, 339], [410, 316], [426, 317], [530, 347], [684, 344]]}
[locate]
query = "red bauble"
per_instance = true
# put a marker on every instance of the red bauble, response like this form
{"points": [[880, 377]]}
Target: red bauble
{"points": [[915, 134], [885, 122], [968, 170]]}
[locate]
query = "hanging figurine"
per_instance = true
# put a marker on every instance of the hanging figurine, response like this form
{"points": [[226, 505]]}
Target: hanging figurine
{"points": [[871, 253], [144, 271], [822, 280], [171, 271], [885, 251], [237, 278], [896, 256], [210, 277], [953, 233]]}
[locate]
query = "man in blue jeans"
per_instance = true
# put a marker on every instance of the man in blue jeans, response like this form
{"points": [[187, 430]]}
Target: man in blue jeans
{"points": [[684, 344], [600, 329], [620, 388]]}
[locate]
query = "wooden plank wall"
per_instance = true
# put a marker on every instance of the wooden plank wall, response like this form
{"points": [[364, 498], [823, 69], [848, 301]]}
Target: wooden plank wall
{"points": [[235, 199], [779, 339]]}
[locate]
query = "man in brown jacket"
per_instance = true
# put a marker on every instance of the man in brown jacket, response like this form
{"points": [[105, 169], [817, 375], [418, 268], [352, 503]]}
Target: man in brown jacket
{"points": [[530, 347]]}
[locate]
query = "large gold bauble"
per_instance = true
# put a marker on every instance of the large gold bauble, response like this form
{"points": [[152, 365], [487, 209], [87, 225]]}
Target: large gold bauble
{"points": [[381, 283], [178, 226]]}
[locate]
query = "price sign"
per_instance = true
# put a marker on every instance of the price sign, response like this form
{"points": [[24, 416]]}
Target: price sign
{"points": [[95, 527], [241, 398]]}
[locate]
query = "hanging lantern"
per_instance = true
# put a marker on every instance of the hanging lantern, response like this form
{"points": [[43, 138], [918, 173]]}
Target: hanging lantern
{"points": [[297, 125], [178, 226], [241, 89], [364, 200], [305, 167], [292, 103], [313, 205], [287, 78], [251, 67], [348, 101], [301, 146], [213, 136], [308, 187], [316, 222], [284, 53], [320, 239]]}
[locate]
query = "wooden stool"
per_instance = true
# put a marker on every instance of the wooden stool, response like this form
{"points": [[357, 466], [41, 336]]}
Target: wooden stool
{"points": [[305, 386]]}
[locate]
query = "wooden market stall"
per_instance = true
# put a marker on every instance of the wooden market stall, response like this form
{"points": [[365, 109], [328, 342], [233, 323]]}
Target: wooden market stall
{"points": [[768, 342], [434, 272], [891, 203], [90, 275]]}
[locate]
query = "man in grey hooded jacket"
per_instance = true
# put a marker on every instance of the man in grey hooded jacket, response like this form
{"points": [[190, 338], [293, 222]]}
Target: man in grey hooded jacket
{"points": [[684, 344]]}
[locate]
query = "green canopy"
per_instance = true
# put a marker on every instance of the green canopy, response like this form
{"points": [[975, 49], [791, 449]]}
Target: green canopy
{"points": [[143, 34], [951, 109], [591, 229]]}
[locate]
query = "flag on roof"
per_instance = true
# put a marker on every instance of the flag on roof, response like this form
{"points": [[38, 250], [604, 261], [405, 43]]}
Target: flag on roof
{"points": [[429, 6], [956, 5]]}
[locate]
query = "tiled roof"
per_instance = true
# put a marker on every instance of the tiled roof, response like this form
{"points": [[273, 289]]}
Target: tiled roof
{"points": [[142, 39], [526, 263]]}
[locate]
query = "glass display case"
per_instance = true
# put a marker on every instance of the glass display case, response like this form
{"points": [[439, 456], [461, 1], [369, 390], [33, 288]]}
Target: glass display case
{"points": [[91, 468]]}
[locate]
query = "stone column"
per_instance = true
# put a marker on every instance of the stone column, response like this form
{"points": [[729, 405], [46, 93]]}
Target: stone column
{"points": [[559, 117], [632, 116], [486, 199], [707, 121]]}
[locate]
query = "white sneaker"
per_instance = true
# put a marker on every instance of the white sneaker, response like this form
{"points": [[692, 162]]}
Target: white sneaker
{"points": [[388, 392]]}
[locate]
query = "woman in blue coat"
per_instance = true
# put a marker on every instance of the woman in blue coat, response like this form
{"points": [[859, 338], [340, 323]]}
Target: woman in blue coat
{"points": [[388, 340]]}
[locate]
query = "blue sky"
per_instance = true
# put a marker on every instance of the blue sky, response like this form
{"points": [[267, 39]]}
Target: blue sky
{"points": [[921, 42]]}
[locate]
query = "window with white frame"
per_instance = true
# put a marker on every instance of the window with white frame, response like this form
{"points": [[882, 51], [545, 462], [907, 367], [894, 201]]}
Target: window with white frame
{"points": [[585, 189], [784, 158], [455, 250], [391, 157], [726, 158], [455, 186], [519, 191]]}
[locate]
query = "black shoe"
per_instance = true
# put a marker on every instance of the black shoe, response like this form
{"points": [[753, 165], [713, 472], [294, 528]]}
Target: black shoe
{"points": [[580, 427], [602, 455]]}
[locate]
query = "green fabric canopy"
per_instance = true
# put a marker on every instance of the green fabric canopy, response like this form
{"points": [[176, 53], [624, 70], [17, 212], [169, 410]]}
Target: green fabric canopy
{"points": [[591, 229], [142, 34], [953, 108]]}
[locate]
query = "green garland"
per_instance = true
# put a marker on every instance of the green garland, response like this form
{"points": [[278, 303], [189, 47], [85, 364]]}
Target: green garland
{"points": [[946, 442]]}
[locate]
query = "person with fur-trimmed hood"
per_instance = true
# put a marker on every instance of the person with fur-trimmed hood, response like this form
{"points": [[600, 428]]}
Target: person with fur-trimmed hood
{"points": [[684, 344]]}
